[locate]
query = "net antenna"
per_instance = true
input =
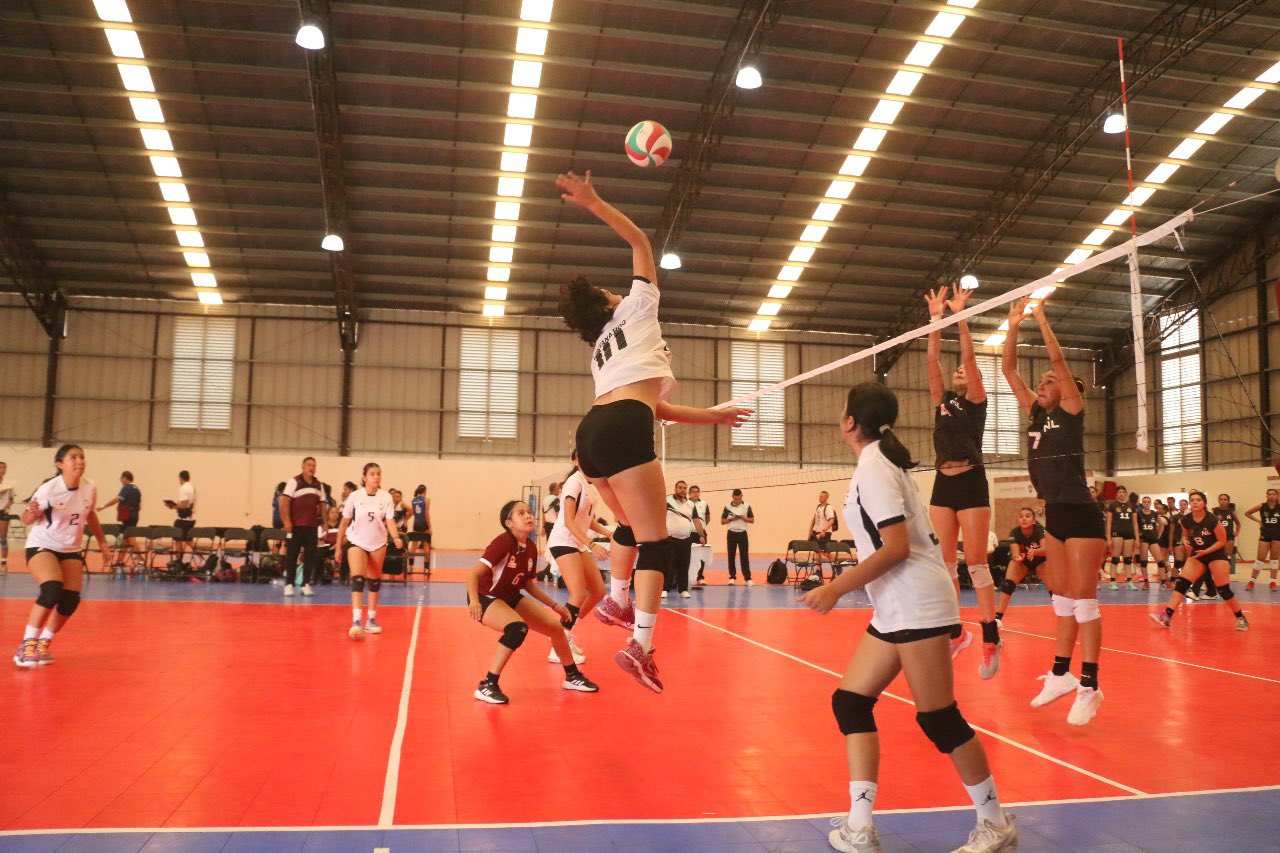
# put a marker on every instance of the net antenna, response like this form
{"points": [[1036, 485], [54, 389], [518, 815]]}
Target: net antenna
{"points": [[1135, 281]]}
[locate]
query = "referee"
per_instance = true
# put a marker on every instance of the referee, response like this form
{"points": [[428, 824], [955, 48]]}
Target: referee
{"points": [[301, 504], [737, 515]]}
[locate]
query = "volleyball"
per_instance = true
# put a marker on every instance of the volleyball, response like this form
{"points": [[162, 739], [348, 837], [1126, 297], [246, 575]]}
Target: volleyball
{"points": [[356, 632], [648, 144]]}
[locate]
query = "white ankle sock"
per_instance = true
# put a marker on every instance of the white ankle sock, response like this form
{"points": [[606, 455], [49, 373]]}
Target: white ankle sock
{"points": [[986, 801], [862, 801], [356, 613], [46, 634], [29, 633], [373, 614], [643, 632], [618, 591]]}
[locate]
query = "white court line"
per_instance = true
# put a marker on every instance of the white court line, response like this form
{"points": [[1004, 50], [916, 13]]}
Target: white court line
{"points": [[1142, 655], [392, 782], [987, 732]]}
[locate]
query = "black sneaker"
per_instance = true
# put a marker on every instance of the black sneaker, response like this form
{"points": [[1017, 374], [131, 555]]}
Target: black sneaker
{"points": [[488, 691], [578, 681]]}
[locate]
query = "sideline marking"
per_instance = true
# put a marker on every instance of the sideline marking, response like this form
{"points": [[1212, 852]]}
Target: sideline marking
{"points": [[392, 782]]}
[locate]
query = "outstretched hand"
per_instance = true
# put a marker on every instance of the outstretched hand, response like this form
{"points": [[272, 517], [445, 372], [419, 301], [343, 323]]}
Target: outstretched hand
{"points": [[821, 599], [959, 298], [733, 416], [937, 301], [1017, 310], [577, 190]]}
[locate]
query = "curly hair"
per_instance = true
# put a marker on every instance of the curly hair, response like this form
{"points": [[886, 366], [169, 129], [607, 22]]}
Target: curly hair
{"points": [[584, 308]]}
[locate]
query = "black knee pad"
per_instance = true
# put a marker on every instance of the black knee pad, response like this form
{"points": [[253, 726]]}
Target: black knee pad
{"points": [[1128, 561], [1115, 561], [573, 617], [50, 592], [1182, 585], [946, 727], [1224, 590], [513, 635], [1008, 586], [1178, 564], [68, 601], [654, 556], [623, 535], [854, 712], [374, 584], [357, 583]]}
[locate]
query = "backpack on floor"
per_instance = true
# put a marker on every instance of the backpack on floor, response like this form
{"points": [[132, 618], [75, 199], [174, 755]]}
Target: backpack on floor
{"points": [[811, 582], [777, 573]]}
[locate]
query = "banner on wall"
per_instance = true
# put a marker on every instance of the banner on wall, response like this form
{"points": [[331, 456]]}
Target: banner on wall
{"points": [[1011, 493]]}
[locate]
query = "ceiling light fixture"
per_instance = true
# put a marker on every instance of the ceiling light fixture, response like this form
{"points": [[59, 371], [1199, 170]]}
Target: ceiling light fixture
{"points": [[813, 233], [501, 254], [495, 293], [855, 165], [923, 54], [840, 189], [196, 259], [669, 261], [511, 187], [191, 239], [522, 105], [1114, 123], [826, 212], [136, 78], [1186, 149], [526, 73], [113, 10], [886, 112], [517, 135], [748, 77], [1097, 237], [944, 25], [802, 254], [904, 83], [203, 279], [759, 324], [155, 139], [969, 282], [504, 234], [870, 138], [493, 309], [1244, 98], [508, 210], [531, 41], [780, 291], [174, 192], [210, 297], [333, 243], [165, 166], [514, 161], [498, 274], [182, 216], [1214, 123], [790, 273], [125, 44], [769, 309], [147, 109], [310, 37], [536, 10]]}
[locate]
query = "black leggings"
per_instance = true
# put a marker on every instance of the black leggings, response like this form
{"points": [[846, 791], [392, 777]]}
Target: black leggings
{"points": [[677, 574], [303, 539], [738, 543]]}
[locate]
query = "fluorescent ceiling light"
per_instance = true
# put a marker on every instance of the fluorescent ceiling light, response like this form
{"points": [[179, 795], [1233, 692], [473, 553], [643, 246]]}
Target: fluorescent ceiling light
{"points": [[147, 109], [522, 105], [769, 309], [504, 233], [780, 291], [332, 243], [511, 187], [501, 254], [1244, 98], [113, 10], [499, 274], [969, 282], [923, 54], [196, 259], [968, 4], [493, 310], [514, 161], [203, 279], [1117, 217], [1214, 123], [125, 44], [1139, 197], [944, 25], [210, 297], [1077, 256], [826, 212], [531, 41], [813, 233], [790, 273], [495, 293], [526, 73], [995, 340], [1114, 124], [509, 210], [1097, 237], [1004, 326], [310, 37], [136, 78], [669, 261], [840, 189], [1161, 173], [174, 192], [182, 216], [759, 324], [869, 139], [156, 139], [191, 239], [1186, 149], [536, 10], [517, 135], [1043, 293], [165, 166], [855, 165], [1271, 75], [886, 112], [748, 77], [801, 254], [904, 83]]}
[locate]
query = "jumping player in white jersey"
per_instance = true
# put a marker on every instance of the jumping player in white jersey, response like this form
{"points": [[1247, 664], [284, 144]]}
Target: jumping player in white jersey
{"points": [[631, 367], [575, 554], [368, 521], [914, 608], [56, 516]]}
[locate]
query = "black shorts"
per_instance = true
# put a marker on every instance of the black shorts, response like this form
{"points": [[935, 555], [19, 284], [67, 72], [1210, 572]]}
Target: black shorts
{"points": [[485, 600], [1126, 535], [419, 526], [1033, 564], [1149, 540], [820, 538], [559, 551], [1074, 521], [969, 490], [546, 528], [911, 635], [615, 437], [61, 555], [184, 524], [1266, 536]]}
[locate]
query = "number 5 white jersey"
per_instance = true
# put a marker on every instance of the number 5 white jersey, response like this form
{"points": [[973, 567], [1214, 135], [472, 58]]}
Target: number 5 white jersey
{"points": [[61, 527], [366, 517], [631, 348]]}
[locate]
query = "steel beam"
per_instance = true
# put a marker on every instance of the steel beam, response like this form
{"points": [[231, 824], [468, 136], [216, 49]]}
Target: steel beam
{"points": [[19, 260]]}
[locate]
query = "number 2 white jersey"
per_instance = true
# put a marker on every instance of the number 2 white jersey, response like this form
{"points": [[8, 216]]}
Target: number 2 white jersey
{"points": [[61, 527], [367, 516], [631, 348]]}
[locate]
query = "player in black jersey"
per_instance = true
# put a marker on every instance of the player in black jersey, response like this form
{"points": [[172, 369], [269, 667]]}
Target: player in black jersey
{"points": [[960, 506], [1026, 552], [1207, 538], [1226, 513], [1150, 526], [1074, 528], [1122, 534], [1267, 516], [1176, 539]]}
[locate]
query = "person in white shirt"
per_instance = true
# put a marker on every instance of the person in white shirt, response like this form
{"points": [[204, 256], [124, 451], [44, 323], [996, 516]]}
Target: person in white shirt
{"points": [[368, 521], [631, 368], [56, 515], [737, 515], [185, 506], [914, 608], [680, 531], [575, 554], [701, 550], [822, 529], [8, 494], [550, 508]]}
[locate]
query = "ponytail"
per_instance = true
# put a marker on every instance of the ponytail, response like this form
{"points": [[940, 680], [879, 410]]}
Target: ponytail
{"points": [[874, 409]]}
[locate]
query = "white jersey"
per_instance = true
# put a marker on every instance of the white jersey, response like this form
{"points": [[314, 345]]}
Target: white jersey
{"points": [[367, 517], [916, 593], [679, 517], [8, 494], [550, 508], [824, 516], [703, 512], [586, 498], [630, 347], [737, 515], [61, 528]]}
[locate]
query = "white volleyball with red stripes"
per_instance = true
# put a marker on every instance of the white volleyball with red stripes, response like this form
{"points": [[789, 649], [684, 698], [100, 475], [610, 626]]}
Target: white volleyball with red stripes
{"points": [[648, 144]]}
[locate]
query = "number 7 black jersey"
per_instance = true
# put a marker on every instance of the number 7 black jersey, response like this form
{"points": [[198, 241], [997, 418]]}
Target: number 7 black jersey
{"points": [[1055, 456]]}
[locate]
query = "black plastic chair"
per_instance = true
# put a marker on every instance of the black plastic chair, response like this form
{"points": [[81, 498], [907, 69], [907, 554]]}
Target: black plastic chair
{"points": [[802, 555]]}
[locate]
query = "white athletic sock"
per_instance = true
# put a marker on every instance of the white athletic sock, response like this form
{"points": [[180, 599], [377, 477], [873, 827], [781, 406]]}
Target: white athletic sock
{"points": [[986, 801], [1275, 567], [356, 613], [643, 632], [29, 633], [862, 801], [46, 634], [373, 614], [618, 590]]}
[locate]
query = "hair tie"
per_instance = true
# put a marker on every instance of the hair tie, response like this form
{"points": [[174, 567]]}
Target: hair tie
{"points": [[883, 429]]}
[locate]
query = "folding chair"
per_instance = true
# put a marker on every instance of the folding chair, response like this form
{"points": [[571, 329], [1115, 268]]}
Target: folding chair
{"points": [[409, 540], [802, 555], [204, 544], [112, 533], [161, 544], [841, 557], [269, 565], [238, 544], [135, 545], [395, 566]]}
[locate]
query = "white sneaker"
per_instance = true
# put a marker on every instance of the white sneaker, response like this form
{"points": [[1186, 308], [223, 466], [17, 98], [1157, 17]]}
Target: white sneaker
{"points": [[288, 590], [579, 656], [1085, 708], [750, 583], [732, 581], [849, 840], [664, 593], [685, 594], [1055, 687], [989, 838], [552, 657], [306, 590]]}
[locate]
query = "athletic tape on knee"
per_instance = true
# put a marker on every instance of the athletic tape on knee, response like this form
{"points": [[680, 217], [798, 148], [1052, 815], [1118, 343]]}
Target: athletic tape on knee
{"points": [[1224, 590], [854, 712], [1008, 586], [654, 556], [68, 601], [946, 727], [374, 584], [980, 575], [1181, 585], [49, 594], [1063, 606], [357, 583], [1086, 610], [624, 535], [513, 635]]}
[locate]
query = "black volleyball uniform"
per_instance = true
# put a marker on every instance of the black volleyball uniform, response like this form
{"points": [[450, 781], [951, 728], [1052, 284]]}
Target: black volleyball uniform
{"points": [[1270, 519], [1227, 517], [1149, 527], [1175, 529], [1055, 460], [1200, 535], [1122, 520], [1025, 541], [958, 425]]}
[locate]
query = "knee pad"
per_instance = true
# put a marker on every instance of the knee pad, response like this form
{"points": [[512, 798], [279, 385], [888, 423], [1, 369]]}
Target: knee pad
{"points": [[513, 635], [1181, 585], [50, 592], [1224, 590], [1178, 564], [654, 556], [980, 576], [573, 616], [1063, 606], [374, 584], [946, 727], [1115, 561], [1086, 610], [357, 583], [853, 712], [1128, 561], [68, 601], [623, 535], [954, 568], [1008, 586]]}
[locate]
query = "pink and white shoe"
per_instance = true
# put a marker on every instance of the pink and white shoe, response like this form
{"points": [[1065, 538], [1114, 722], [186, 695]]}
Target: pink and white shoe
{"points": [[990, 661], [639, 664], [611, 612], [961, 643]]}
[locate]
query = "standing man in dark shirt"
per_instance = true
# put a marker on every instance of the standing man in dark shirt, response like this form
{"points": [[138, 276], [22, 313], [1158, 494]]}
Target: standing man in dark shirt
{"points": [[129, 501], [301, 505]]}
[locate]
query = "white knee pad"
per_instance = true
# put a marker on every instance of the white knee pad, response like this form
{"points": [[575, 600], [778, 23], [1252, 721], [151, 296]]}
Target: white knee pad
{"points": [[1086, 610], [1063, 606], [955, 571], [981, 576]]}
